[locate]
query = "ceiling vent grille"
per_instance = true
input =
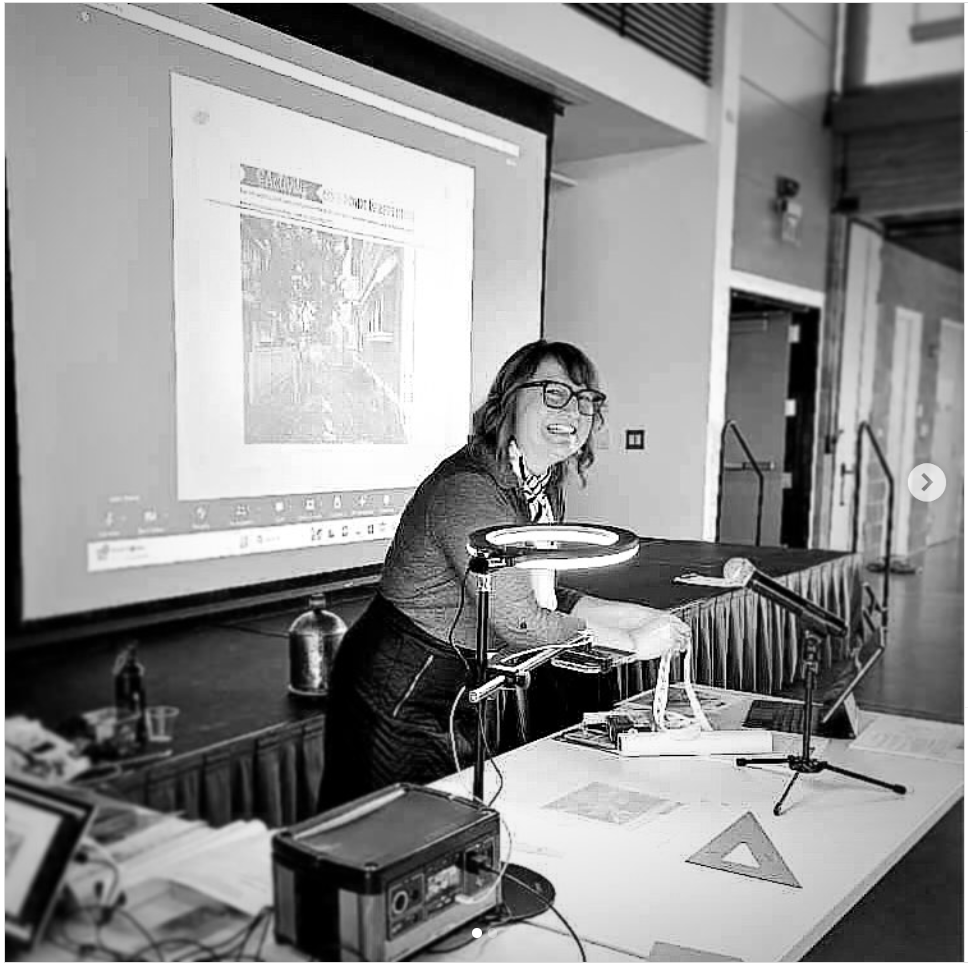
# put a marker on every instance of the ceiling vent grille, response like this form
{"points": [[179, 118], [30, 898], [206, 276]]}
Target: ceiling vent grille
{"points": [[681, 33]]}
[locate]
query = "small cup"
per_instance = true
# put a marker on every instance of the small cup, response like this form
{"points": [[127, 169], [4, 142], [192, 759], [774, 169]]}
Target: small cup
{"points": [[115, 731], [126, 740], [160, 721]]}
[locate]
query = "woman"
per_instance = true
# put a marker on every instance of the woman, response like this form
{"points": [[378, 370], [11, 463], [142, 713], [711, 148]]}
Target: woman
{"points": [[401, 666]]}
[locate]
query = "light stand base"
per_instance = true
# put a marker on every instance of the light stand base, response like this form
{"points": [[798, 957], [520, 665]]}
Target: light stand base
{"points": [[525, 892], [518, 903]]}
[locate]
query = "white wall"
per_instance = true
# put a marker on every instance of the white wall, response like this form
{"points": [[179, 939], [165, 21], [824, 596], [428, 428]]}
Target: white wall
{"points": [[638, 256], [638, 275], [630, 279], [893, 56], [786, 75]]}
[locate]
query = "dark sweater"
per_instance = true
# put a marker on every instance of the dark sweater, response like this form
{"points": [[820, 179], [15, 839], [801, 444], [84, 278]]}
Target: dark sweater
{"points": [[428, 557]]}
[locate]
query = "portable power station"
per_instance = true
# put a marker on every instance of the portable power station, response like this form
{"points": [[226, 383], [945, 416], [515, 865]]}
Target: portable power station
{"points": [[383, 876]]}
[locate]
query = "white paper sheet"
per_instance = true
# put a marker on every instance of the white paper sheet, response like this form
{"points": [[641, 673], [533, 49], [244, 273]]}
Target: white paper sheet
{"points": [[892, 734]]}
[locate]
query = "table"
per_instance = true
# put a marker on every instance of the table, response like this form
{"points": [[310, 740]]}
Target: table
{"points": [[626, 888], [838, 837]]}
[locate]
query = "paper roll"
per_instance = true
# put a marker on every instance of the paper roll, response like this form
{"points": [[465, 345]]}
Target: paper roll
{"points": [[667, 743]]}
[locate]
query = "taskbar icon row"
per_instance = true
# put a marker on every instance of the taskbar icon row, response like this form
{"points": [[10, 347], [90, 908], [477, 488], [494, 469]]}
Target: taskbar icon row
{"points": [[164, 549], [137, 516]]}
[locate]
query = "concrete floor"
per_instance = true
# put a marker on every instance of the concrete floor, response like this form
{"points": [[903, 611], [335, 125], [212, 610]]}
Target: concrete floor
{"points": [[916, 912], [922, 671]]}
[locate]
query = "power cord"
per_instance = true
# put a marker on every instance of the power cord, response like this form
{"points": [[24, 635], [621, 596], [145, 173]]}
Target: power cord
{"points": [[547, 903], [453, 627], [475, 898], [453, 729], [489, 757], [189, 949], [106, 897]]}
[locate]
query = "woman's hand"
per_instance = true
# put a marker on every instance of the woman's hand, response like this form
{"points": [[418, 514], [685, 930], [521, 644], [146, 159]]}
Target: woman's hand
{"points": [[628, 627], [659, 635]]}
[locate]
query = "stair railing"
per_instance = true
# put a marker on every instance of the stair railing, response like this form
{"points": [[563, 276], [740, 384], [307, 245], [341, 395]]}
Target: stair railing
{"points": [[865, 428], [754, 465]]}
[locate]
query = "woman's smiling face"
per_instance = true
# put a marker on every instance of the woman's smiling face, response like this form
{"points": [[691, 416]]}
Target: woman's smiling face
{"points": [[547, 436]]}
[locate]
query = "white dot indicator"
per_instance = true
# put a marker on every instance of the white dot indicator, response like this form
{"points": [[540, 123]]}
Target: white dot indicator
{"points": [[477, 933]]}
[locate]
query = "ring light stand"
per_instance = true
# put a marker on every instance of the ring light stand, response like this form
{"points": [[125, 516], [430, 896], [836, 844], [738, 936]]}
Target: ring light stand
{"points": [[563, 547]]}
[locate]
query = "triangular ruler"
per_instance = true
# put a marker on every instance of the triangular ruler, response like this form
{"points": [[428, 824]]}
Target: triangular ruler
{"points": [[745, 833]]}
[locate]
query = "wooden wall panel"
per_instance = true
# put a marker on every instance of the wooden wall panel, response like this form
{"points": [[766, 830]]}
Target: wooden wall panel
{"points": [[906, 168]]}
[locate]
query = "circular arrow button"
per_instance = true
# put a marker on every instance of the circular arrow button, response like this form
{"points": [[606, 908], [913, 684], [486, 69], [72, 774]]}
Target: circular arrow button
{"points": [[926, 482]]}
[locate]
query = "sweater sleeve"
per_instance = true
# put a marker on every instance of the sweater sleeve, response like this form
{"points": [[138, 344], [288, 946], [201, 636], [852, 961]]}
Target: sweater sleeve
{"points": [[567, 598], [468, 502]]}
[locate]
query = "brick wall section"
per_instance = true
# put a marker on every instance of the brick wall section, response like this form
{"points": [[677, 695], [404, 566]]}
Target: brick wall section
{"points": [[936, 292]]}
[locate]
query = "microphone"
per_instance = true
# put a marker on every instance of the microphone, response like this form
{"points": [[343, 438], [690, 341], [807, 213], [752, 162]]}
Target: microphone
{"points": [[741, 571]]}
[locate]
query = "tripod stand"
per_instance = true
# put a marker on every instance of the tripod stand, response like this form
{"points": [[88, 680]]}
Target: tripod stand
{"points": [[805, 763]]}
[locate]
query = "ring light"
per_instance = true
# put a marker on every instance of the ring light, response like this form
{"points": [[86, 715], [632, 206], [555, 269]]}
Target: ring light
{"points": [[562, 546]]}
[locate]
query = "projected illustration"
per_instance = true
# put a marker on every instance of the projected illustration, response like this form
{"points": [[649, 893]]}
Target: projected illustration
{"points": [[324, 336], [321, 275]]}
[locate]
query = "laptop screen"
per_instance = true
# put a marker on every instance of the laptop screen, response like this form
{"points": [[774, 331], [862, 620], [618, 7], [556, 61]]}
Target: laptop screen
{"points": [[42, 829]]}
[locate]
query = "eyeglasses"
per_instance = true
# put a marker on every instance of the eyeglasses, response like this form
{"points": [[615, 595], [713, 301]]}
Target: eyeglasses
{"points": [[557, 396]]}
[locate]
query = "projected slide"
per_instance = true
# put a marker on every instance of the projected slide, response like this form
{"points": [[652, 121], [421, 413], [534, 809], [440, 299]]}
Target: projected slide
{"points": [[322, 301], [264, 338]]}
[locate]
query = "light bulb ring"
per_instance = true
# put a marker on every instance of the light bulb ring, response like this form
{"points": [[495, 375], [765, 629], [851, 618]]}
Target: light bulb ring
{"points": [[562, 546]]}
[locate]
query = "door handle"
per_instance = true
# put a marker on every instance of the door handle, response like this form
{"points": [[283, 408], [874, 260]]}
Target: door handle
{"points": [[844, 471]]}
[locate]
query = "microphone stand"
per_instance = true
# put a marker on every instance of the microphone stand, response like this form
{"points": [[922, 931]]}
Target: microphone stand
{"points": [[805, 762]]}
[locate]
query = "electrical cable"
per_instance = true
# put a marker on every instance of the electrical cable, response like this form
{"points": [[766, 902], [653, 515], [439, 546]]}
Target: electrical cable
{"points": [[250, 930], [453, 627], [547, 903], [104, 859], [141, 929], [265, 934], [81, 949], [476, 898], [188, 950], [453, 729], [489, 757]]}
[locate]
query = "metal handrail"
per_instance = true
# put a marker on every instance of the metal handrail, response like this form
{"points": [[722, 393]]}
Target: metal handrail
{"points": [[731, 425], [863, 428]]}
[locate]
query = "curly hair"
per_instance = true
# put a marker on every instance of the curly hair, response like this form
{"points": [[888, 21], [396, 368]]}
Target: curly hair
{"points": [[493, 422]]}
